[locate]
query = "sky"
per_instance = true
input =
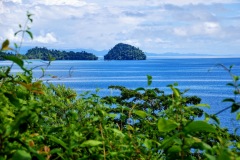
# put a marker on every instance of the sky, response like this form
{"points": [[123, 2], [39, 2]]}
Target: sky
{"points": [[154, 26]]}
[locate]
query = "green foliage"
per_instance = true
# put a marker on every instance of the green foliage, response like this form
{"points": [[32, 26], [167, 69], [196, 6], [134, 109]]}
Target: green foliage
{"points": [[46, 54], [44, 121], [125, 52]]}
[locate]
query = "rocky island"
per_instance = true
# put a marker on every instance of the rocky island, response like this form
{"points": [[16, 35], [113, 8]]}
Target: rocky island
{"points": [[123, 51]]}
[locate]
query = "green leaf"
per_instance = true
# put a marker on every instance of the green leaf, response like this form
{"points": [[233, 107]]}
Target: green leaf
{"points": [[228, 100], [15, 59], [166, 125], [197, 126], [202, 105], [118, 132], [58, 141], [148, 143], [230, 84], [214, 117], [140, 113], [174, 149], [238, 116], [235, 78], [91, 143], [210, 157], [235, 107], [30, 34], [17, 32], [149, 78], [140, 89], [5, 45], [21, 155], [175, 91]]}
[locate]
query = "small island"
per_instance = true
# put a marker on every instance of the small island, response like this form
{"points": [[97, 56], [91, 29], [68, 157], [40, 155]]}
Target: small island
{"points": [[123, 51]]}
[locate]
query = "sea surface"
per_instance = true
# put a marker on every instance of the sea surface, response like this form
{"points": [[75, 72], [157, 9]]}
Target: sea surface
{"points": [[203, 77]]}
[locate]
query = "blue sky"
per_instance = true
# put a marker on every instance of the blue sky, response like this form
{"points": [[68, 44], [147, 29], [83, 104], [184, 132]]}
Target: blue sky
{"points": [[155, 26]]}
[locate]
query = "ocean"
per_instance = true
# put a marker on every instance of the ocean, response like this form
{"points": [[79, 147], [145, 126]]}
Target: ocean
{"points": [[203, 77]]}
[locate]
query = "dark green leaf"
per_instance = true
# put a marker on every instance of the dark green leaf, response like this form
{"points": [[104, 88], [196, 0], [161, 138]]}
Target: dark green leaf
{"points": [[17, 32], [229, 100], [214, 117], [15, 59], [30, 34], [235, 107], [58, 141], [140, 89], [230, 84]]}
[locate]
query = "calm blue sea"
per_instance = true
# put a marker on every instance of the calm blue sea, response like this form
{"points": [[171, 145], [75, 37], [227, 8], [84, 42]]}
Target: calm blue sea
{"points": [[202, 76]]}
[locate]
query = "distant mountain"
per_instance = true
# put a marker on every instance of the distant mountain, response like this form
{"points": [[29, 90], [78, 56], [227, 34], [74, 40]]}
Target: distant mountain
{"points": [[171, 54]]}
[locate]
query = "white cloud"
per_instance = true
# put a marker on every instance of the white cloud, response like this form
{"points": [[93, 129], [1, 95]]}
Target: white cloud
{"points": [[75, 3], [133, 42], [155, 40], [205, 28], [47, 38], [14, 1], [185, 2], [9, 34]]}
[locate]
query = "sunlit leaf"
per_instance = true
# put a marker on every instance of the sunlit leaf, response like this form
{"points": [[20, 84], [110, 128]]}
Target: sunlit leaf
{"points": [[5, 45], [197, 126], [202, 105], [149, 78], [140, 113], [21, 155], [118, 132], [91, 143], [148, 143], [165, 125]]}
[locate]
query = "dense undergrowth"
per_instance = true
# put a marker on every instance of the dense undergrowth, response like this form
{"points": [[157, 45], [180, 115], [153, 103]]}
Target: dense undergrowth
{"points": [[43, 121]]}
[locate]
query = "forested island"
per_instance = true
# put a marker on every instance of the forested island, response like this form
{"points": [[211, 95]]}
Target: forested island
{"points": [[53, 54], [123, 51], [44, 54]]}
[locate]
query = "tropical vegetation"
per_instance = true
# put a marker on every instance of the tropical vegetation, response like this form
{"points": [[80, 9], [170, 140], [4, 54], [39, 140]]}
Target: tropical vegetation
{"points": [[39, 120]]}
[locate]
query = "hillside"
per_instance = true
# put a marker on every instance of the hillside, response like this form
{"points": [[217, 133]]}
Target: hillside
{"points": [[125, 52]]}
